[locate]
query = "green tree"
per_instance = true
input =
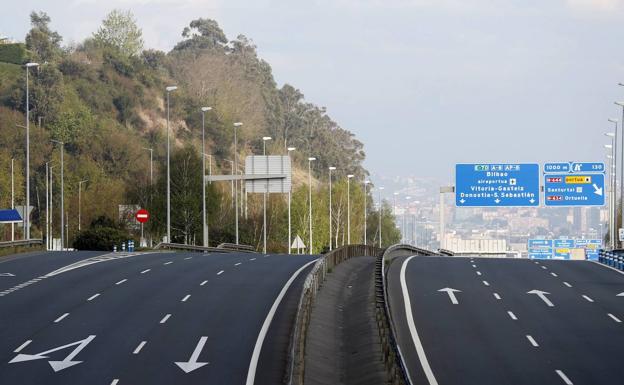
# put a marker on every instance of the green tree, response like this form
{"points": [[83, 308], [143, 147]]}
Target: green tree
{"points": [[202, 34], [120, 30], [41, 40]]}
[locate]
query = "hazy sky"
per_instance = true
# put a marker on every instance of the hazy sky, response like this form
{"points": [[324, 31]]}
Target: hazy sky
{"points": [[423, 83]]}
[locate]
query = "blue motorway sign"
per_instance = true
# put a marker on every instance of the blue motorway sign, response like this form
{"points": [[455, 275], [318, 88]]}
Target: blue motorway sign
{"points": [[563, 248], [556, 167], [574, 189], [497, 184], [540, 248], [591, 247]]}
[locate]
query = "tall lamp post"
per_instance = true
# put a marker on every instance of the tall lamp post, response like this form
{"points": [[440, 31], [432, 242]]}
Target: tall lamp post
{"points": [[169, 90], [13, 195], [380, 211], [331, 168], [289, 202], [264, 227], [611, 200], [621, 104], [615, 161], [310, 160], [26, 218], [236, 125], [349, 208], [80, 201], [204, 215], [62, 145], [366, 182]]}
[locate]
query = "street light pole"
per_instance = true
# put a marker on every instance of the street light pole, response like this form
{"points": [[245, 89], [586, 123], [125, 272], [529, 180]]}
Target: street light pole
{"points": [[169, 89], [26, 218], [13, 196], [615, 162], [366, 182], [310, 160], [331, 168], [79, 201], [611, 200], [380, 211], [289, 202], [47, 183], [349, 208], [51, 208], [62, 144], [235, 172], [264, 226], [204, 215]]}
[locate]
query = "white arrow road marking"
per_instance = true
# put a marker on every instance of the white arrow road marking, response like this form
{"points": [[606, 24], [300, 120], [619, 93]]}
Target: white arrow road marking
{"points": [[542, 295], [564, 377], [57, 365], [620, 295], [597, 191], [7, 275], [451, 293], [192, 363]]}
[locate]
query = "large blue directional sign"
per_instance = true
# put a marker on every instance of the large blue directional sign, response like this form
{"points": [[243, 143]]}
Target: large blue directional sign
{"points": [[574, 189], [540, 248], [563, 248], [591, 247], [497, 184]]}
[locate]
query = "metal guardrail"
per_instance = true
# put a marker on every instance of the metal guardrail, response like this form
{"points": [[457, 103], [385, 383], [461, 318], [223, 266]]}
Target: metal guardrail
{"points": [[611, 258], [222, 248], [446, 252], [30, 242], [296, 360], [393, 358]]}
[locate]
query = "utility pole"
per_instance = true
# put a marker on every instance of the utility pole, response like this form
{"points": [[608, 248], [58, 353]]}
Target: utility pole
{"points": [[62, 145], [264, 227], [380, 213], [235, 172], [310, 160], [26, 218], [204, 214], [349, 208], [332, 168], [289, 203]]}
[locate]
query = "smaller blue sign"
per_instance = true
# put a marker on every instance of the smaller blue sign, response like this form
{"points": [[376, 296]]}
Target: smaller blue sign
{"points": [[563, 248], [591, 247], [557, 167], [540, 248], [580, 167]]}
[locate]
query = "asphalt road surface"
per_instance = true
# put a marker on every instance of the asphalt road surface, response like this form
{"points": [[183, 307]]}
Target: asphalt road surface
{"points": [[160, 318], [509, 321]]}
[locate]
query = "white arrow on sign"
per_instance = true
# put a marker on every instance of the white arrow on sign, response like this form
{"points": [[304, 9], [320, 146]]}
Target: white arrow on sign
{"points": [[597, 191], [532, 200], [192, 364], [56, 365], [542, 295], [497, 200], [451, 294], [7, 275], [462, 201]]}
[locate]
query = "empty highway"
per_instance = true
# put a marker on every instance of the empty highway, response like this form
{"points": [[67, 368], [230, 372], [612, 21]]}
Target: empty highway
{"points": [[462, 320], [156, 318]]}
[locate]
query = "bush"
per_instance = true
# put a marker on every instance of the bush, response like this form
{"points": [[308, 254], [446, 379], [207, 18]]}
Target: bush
{"points": [[13, 53], [100, 238]]}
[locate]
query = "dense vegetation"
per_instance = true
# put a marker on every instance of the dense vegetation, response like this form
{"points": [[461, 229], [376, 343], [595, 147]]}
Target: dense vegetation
{"points": [[105, 99]]}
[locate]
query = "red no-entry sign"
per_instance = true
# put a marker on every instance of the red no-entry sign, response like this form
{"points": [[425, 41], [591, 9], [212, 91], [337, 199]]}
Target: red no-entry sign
{"points": [[142, 216]]}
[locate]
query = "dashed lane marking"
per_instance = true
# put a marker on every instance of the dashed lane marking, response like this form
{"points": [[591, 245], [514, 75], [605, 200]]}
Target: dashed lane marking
{"points": [[138, 348], [587, 298], [165, 318], [565, 378], [532, 340], [59, 319], [512, 316], [94, 296]]}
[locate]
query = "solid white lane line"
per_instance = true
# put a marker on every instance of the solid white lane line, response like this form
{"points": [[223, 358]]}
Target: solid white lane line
{"points": [[616, 319], [219, 273], [94, 296], [532, 340], [553, 274], [115, 381], [203, 283], [478, 273], [138, 348], [22, 346], [187, 258], [168, 263], [497, 296], [59, 319], [422, 357], [253, 365], [587, 298], [165, 318], [544, 267], [145, 271], [564, 377], [186, 298], [486, 283], [512, 316], [236, 264], [567, 284], [120, 282]]}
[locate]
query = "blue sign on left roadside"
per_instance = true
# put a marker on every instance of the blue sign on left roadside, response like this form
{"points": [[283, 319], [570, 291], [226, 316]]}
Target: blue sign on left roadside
{"points": [[497, 184]]}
